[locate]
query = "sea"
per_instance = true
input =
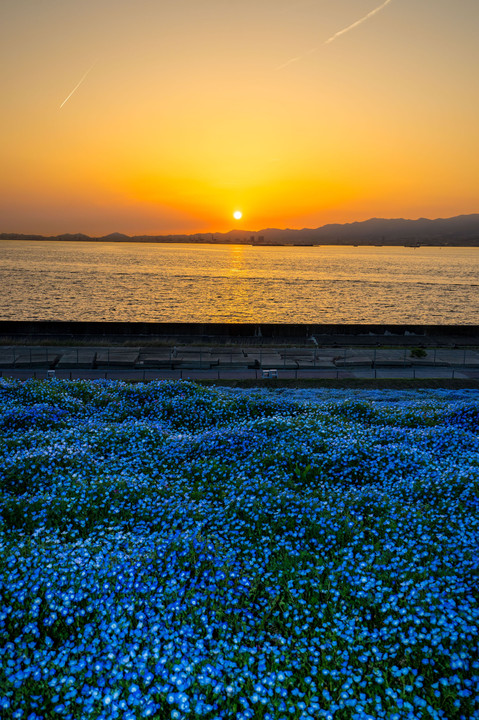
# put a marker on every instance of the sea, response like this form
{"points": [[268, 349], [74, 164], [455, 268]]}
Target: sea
{"points": [[156, 282]]}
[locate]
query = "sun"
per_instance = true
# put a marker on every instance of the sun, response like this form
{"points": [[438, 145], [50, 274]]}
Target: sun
{"points": [[237, 214]]}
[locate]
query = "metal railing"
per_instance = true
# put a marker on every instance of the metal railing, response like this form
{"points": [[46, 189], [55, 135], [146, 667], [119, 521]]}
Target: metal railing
{"points": [[287, 363]]}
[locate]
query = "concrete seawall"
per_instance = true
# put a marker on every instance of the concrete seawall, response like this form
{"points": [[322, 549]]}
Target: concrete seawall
{"points": [[255, 333]]}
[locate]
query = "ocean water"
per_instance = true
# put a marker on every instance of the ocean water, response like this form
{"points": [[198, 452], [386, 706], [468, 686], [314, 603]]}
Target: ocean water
{"points": [[235, 283]]}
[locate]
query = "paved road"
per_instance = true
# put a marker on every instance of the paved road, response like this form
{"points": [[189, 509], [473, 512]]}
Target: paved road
{"points": [[222, 374], [244, 363]]}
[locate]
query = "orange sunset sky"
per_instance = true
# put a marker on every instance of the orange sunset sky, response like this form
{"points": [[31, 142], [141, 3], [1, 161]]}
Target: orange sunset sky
{"points": [[166, 116]]}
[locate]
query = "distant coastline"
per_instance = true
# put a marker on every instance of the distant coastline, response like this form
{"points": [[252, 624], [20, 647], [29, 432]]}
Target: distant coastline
{"points": [[459, 231]]}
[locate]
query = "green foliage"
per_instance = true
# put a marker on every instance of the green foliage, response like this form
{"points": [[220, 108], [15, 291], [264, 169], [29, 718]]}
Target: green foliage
{"points": [[418, 353]]}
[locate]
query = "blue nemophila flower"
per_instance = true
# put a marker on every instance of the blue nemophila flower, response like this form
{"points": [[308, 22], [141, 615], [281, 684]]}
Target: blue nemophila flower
{"points": [[176, 551]]}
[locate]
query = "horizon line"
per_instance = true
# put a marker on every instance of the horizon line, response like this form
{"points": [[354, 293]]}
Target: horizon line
{"points": [[242, 230]]}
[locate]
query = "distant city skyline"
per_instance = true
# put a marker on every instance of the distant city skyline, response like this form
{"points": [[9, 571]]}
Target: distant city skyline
{"points": [[168, 116]]}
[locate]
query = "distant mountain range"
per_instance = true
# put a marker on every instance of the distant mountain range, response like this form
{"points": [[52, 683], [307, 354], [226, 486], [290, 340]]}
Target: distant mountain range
{"points": [[462, 230]]}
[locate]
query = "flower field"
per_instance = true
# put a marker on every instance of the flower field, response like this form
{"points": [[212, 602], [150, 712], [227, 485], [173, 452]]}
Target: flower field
{"points": [[175, 551]]}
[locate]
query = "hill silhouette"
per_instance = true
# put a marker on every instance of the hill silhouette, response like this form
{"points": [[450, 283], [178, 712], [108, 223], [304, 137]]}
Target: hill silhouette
{"points": [[462, 230]]}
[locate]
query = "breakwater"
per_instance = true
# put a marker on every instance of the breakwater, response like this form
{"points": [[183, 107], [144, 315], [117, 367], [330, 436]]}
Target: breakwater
{"points": [[254, 333]]}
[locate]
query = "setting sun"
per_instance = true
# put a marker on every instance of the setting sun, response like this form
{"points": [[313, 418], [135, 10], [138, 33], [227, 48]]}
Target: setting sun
{"points": [[237, 214]]}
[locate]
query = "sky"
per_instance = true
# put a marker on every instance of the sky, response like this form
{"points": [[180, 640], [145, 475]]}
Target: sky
{"points": [[167, 116]]}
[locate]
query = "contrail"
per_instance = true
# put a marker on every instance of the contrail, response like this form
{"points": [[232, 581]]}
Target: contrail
{"points": [[297, 58], [77, 86], [358, 22], [333, 37], [289, 62]]}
